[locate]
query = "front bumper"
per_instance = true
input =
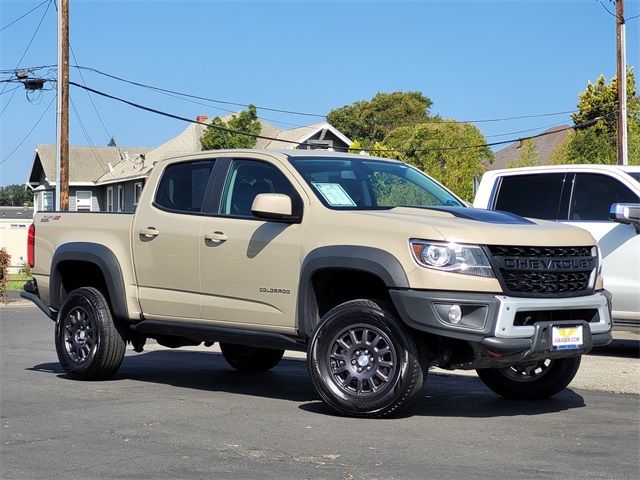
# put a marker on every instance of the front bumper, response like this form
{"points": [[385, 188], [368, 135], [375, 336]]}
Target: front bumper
{"points": [[507, 328]]}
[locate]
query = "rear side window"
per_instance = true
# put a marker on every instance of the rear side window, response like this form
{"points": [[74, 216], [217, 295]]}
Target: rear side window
{"points": [[183, 185], [536, 195], [593, 195]]}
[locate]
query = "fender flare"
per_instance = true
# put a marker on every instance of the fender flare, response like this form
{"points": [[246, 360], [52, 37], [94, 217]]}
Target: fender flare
{"points": [[371, 260], [100, 256]]}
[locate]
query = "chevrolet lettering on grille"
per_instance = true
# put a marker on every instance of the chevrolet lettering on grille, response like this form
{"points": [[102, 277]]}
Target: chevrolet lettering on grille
{"points": [[546, 264]]}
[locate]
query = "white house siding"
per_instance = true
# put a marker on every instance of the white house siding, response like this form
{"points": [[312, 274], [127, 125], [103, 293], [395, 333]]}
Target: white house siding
{"points": [[13, 237]]}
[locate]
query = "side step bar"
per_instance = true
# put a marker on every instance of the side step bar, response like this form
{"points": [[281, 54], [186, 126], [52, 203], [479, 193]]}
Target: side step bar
{"points": [[207, 333], [52, 314]]}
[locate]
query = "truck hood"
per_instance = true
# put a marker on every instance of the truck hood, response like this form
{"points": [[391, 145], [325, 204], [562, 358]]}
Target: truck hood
{"points": [[478, 226]]}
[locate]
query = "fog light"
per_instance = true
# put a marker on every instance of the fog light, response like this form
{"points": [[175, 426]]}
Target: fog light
{"points": [[455, 314]]}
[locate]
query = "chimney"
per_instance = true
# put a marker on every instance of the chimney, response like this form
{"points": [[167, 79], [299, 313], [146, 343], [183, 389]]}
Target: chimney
{"points": [[202, 118]]}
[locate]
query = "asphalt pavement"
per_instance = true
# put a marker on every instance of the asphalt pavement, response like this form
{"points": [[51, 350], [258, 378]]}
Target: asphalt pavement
{"points": [[186, 414]]}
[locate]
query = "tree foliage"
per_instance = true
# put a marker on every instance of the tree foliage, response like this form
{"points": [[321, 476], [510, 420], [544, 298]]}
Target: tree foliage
{"points": [[15, 196], [245, 121], [431, 147], [529, 156], [597, 143], [370, 121]]}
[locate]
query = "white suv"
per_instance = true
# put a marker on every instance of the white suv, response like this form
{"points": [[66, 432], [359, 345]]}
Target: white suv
{"points": [[582, 195]]}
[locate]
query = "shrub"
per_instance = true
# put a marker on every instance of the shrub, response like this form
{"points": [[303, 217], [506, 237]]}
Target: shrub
{"points": [[5, 261]]}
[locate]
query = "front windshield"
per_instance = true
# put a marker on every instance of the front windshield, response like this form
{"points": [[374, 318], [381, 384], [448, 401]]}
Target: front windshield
{"points": [[635, 175], [355, 184]]}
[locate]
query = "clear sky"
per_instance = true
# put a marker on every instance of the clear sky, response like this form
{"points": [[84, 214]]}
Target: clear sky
{"points": [[474, 59]]}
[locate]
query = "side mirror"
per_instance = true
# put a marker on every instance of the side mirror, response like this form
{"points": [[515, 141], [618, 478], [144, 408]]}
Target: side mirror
{"points": [[628, 213], [273, 206]]}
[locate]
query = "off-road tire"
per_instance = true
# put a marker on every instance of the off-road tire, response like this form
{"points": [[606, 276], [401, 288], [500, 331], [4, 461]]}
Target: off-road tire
{"points": [[389, 348], [513, 383], [90, 343], [250, 359]]}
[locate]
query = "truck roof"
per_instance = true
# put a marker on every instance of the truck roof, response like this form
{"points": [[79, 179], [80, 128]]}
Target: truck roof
{"points": [[582, 166], [286, 152]]}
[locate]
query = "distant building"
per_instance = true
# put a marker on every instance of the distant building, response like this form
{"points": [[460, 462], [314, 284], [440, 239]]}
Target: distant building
{"points": [[544, 146], [110, 179], [14, 225]]}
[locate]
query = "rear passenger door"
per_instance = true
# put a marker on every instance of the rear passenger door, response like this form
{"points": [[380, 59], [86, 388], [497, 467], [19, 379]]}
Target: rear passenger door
{"points": [[591, 199], [166, 241]]}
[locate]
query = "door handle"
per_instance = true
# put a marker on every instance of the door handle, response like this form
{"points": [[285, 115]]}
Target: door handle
{"points": [[149, 232], [216, 237]]}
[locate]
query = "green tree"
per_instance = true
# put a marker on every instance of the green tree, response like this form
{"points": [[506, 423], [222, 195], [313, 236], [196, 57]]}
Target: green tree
{"points": [[15, 196], [432, 147], [112, 143], [597, 143], [245, 121], [370, 121], [529, 156]]}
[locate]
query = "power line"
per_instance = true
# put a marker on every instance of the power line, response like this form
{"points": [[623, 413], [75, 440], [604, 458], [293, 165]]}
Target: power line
{"points": [[11, 90], [182, 94], [23, 15], [87, 136], [291, 142], [92, 102], [178, 117], [607, 10], [23, 55], [224, 102], [29, 132]]}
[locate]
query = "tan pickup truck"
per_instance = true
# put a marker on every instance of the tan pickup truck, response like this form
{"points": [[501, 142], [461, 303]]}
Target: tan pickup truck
{"points": [[374, 269]]}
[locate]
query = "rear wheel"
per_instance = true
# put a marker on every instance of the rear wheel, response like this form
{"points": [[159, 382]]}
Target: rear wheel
{"points": [[250, 359], [531, 381], [90, 343], [363, 361]]}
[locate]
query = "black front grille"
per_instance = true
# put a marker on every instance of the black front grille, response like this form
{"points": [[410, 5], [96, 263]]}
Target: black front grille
{"points": [[544, 271]]}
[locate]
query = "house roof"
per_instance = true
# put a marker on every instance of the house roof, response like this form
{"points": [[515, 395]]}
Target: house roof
{"points": [[16, 213], [86, 164], [90, 164], [544, 146]]}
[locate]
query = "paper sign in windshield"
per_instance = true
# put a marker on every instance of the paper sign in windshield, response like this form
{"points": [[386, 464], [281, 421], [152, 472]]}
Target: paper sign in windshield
{"points": [[334, 194]]}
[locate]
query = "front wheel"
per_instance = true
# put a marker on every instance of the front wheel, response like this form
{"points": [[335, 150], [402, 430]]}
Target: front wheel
{"points": [[531, 381], [90, 343], [363, 361]]}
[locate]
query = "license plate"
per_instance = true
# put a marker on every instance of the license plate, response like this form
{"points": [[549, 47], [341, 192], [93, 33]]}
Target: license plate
{"points": [[566, 338]]}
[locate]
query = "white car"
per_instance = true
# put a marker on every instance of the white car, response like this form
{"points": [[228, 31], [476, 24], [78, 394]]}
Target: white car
{"points": [[603, 199]]}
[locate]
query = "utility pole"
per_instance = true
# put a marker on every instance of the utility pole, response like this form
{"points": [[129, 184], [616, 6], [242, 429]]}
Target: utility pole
{"points": [[623, 158], [62, 123]]}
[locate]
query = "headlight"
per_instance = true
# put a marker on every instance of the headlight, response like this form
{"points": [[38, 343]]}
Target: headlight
{"points": [[452, 257]]}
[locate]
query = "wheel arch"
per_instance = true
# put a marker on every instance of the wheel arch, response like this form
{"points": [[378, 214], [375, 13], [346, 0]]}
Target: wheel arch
{"points": [[93, 256], [372, 262]]}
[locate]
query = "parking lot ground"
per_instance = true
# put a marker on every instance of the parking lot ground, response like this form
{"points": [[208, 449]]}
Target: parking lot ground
{"points": [[186, 414]]}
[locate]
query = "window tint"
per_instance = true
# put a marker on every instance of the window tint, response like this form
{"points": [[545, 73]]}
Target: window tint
{"points": [[248, 178], [183, 185], [536, 195], [593, 195]]}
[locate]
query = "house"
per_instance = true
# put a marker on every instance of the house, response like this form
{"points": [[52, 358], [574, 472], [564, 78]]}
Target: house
{"points": [[14, 225], [92, 187], [110, 179], [544, 145]]}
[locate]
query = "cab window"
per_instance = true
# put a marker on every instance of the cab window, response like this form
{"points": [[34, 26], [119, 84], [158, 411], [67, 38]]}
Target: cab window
{"points": [[248, 178], [536, 196], [183, 185], [593, 195]]}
